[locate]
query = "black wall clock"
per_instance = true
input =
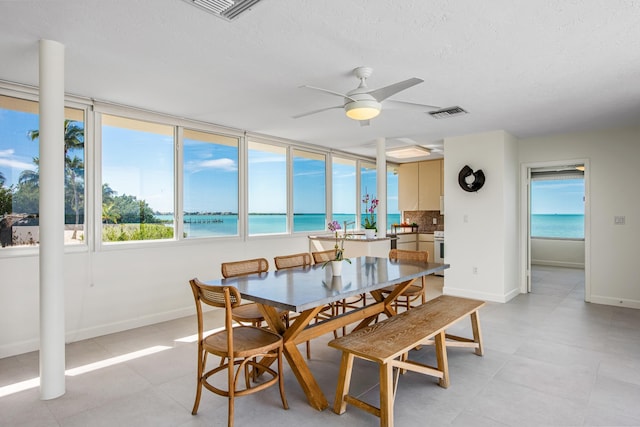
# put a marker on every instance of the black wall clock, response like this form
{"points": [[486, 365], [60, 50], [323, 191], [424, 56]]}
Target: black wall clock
{"points": [[476, 184]]}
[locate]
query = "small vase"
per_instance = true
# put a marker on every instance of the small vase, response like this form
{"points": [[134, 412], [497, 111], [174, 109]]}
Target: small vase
{"points": [[336, 268], [370, 233]]}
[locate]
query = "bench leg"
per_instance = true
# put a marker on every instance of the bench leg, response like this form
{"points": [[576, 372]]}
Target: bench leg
{"points": [[386, 395], [344, 381], [443, 363], [477, 333]]}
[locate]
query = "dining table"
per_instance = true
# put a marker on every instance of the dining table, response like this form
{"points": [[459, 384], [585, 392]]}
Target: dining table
{"points": [[307, 290]]}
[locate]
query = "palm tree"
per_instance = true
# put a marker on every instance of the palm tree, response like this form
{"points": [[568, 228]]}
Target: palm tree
{"points": [[74, 167], [73, 136], [110, 213]]}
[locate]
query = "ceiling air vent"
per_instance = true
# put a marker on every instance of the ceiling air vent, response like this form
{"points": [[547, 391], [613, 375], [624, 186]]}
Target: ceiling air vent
{"points": [[226, 9], [443, 113]]}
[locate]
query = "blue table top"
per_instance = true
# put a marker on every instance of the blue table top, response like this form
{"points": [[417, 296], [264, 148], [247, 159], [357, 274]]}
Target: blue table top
{"points": [[299, 289]]}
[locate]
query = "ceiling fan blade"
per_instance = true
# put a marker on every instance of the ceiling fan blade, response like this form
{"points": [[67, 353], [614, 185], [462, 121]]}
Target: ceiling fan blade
{"points": [[387, 91], [297, 116], [393, 104], [343, 95], [365, 122]]}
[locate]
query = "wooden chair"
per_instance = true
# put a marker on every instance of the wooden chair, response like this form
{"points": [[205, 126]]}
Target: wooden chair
{"points": [[301, 260], [244, 267], [321, 257], [247, 313], [239, 346], [414, 292], [292, 261]]}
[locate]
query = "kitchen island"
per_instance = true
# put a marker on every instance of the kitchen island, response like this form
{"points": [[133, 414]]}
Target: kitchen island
{"points": [[355, 245]]}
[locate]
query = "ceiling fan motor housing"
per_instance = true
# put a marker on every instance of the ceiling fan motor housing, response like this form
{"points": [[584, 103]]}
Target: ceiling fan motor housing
{"points": [[364, 107]]}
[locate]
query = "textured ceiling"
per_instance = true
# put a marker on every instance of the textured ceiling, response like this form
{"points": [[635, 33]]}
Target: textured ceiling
{"points": [[528, 67]]}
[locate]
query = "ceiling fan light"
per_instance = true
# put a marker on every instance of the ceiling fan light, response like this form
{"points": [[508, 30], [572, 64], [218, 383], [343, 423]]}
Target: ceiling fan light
{"points": [[362, 110]]}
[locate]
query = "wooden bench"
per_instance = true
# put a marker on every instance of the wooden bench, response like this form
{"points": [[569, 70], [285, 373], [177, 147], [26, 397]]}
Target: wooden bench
{"points": [[388, 342]]}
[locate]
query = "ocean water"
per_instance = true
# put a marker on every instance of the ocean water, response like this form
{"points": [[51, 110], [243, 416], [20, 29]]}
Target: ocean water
{"points": [[557, 225], [227, 225]]}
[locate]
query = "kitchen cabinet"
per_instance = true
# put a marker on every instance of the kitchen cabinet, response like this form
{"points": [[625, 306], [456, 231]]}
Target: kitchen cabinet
{"points": [[425, 243], [429, 175], [420, 185], [408, 187], [407, 241]]}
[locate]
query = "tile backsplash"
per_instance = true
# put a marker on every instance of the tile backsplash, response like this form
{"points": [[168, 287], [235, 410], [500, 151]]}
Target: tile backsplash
{"points": [[424, 219]]}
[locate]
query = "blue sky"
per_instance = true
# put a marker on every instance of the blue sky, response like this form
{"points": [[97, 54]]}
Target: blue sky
{"points": [[141, 164], [16, 148], [557, 197]]}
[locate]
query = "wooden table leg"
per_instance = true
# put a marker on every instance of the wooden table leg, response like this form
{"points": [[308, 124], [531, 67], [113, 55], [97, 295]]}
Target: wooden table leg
{"points": [[441, 356], [477, 333], [386, 395], [344, 382], [298, 365], [305, 378]]}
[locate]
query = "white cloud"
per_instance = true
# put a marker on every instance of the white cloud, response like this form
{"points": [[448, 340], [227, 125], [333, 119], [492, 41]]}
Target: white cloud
{"points": [[224, 164], [16, 164]]}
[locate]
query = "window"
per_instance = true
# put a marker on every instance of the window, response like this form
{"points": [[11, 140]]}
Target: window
{"points": [[267, 188], [393, 212], [557, 205], [19, 175], [309, 189], [210, 184], [344, 190], [368, 186], [137, 180]]}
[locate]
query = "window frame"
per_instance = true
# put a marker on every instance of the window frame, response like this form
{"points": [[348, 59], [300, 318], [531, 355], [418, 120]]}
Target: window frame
{"points": [[291, 199], [179, 216], [31, 94], [287, 169], [93, 111]]}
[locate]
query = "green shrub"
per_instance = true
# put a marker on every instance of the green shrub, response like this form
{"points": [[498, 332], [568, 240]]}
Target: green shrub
{"points": [[126, 232]]}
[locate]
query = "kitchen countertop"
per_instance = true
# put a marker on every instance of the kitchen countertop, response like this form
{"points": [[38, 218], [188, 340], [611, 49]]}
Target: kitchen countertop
{"points": [[351, 237]]}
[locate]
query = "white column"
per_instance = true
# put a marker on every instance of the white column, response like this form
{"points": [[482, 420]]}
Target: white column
{"points": [[52, 351], [381, 181]]}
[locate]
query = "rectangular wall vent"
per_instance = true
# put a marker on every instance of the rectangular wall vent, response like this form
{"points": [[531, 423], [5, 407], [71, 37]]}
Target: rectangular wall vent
{"points": [[226, 9], [443, 113]]}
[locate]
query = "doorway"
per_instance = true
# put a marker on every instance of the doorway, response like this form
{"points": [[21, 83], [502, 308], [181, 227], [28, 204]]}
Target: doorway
{"points": [[554, 226]]}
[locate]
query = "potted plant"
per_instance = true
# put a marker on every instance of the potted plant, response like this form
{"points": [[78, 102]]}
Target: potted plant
{"points": [[336, 263], [371, 203]]}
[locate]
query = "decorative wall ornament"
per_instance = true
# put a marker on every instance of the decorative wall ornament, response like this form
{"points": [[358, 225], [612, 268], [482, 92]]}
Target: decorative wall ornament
{"points": [[466, 184]]}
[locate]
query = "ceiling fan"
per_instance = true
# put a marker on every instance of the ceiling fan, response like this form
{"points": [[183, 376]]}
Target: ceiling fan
{"points": [[363, 104]]}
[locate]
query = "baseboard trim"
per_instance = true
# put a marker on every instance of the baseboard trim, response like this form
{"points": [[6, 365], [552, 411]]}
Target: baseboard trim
{"points": [[484, 296], [617, 302], [27, 346]]}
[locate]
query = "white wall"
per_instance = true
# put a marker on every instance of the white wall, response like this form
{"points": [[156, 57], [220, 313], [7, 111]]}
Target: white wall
{"points": [[114, 290], [614, 175], [481, 227], [557, 252]]}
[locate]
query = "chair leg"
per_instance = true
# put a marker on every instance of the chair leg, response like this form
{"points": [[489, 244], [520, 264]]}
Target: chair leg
{"points": [[232, 380], [281, 380], [308, 350], [230, 418], [202, 357]]}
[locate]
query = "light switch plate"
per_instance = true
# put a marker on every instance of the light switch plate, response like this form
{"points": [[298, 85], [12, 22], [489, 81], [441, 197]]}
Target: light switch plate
{"points": [[619, 220]]}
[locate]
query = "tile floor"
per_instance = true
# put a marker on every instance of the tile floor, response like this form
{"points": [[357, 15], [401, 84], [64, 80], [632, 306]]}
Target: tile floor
{"points": [[550, 360]]}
